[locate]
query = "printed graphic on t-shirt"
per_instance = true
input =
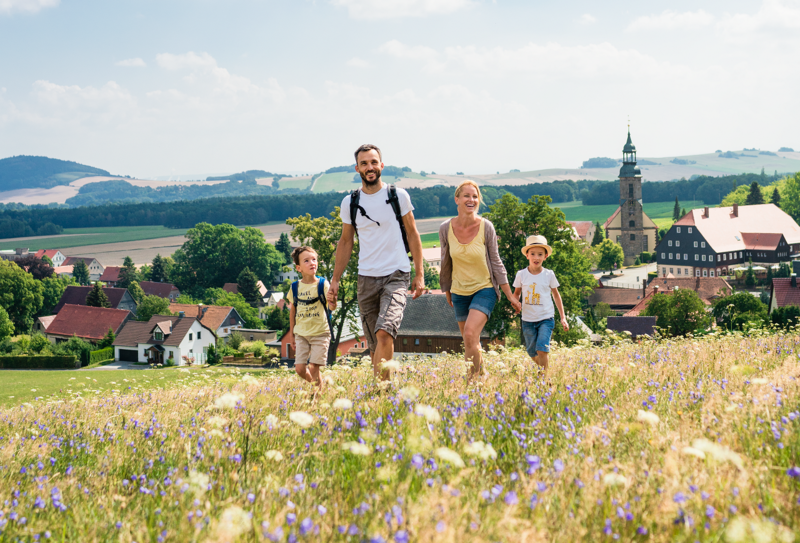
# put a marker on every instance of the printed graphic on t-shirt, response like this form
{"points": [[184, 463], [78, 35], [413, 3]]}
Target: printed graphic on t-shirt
{"points": [[310, 319], [531, 297]]}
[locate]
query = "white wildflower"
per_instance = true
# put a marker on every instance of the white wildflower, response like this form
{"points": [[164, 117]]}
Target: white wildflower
{"points": [[273, 455], [271, 420], [198, 482], [301, 418], [719, 452], [430, 413], [366, 361], [249, 380], [614, 479], [342, 403], [183, 370], [216, 433], [361, 449], [391, 364], [217, 422], [648, 417], [484, 451], [744, 530], [228, 400], [409, 393], [691, 451], [759, 381], [233, 522], [368, 434], [450, 456]]}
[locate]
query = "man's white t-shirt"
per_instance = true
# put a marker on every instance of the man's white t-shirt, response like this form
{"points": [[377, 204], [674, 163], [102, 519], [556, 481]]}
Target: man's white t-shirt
{"points": [[537, 304], [381, 249]]}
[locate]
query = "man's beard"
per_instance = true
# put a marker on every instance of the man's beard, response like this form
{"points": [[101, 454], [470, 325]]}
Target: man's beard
{"points": [[371, 183]]}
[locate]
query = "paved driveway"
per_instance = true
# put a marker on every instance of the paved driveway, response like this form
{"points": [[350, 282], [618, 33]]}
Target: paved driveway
{"points": [[117, 365]]}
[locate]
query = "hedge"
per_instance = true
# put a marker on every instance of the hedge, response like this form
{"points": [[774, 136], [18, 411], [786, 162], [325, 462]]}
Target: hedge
{"points": [[39, 362], [101, 355]]}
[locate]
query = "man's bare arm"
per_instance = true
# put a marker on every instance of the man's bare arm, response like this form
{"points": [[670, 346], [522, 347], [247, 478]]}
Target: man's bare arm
{"points": [[344, 250], [415, 244]]}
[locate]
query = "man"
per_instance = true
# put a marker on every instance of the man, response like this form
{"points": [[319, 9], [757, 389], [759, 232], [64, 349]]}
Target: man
{"points": [[383, 266]]}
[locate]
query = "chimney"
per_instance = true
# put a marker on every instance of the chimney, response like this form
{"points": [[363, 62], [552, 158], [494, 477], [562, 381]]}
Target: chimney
{"points": [[181, 314], [705, 212], [644, 288], [655, 290], [794, 280], [735, 211]]}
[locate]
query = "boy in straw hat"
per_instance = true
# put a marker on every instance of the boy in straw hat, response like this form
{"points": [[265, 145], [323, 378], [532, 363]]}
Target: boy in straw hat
{"points": [[537, 284]]}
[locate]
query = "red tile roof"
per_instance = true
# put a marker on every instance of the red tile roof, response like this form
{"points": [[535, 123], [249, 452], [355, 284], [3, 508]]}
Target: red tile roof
{"points": [[110, 274], [761, 242], [784, 293], [581, 227], [87, 322], [152, 288], [72, 260], [49, 253], [707, 288], [620, 297], [77, 296], [211, 316]]}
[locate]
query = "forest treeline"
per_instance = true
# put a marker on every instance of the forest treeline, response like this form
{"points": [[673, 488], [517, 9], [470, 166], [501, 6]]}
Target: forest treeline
{"points": [[25, 172]]}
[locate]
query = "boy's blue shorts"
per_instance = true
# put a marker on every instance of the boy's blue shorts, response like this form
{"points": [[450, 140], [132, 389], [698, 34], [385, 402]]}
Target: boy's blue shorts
{"points": [[537, 335]]}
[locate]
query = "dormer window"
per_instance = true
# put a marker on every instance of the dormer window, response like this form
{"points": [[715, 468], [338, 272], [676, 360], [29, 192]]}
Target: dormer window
{"points": [[159, 336]]}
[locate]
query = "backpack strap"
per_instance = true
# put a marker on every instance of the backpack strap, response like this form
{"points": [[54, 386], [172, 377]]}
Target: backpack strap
{"points": [[295, 288], [355, 196], [394, 201]]}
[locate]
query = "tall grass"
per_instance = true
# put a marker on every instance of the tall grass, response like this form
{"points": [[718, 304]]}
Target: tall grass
{"points": [[687, 440]]}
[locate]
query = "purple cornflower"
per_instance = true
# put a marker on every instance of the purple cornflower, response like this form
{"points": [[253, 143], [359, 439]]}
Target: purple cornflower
{"points": [[710, 511], [680, 497], [321, 510], [417, 461], [306, 526], [401, 536], [558, 465], [290, 518], [511, 498], [793, 472]]}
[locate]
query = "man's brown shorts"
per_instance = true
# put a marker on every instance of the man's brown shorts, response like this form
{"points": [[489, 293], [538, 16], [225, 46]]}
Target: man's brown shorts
{"points": [[381, 301]]}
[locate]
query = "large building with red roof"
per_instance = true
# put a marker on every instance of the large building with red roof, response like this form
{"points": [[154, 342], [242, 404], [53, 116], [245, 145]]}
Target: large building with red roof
{"points": [[85, 322], [712, 241]]}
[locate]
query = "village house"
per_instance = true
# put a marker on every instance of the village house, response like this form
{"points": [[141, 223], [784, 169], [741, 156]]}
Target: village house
{"points": [[714, 241], [352, 339], [618, 299], [95, 268], [287, 273], [784, 292], [234, 288], [14, 255], [254, 334], [433, 256], [163, 339], [42, 323], [222, 320], [162, 290], [429, 327], [89, 323], [272, 299], [55, 256], [583, 230], [119, 298], [707, 289], [110, 276]]}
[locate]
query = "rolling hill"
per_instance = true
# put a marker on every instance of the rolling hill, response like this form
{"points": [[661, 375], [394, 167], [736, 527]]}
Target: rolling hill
{"points": [[27, 172]]}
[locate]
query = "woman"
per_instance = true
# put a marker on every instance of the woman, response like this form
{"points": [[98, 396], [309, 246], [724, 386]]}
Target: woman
{"points": [[472, 272]]}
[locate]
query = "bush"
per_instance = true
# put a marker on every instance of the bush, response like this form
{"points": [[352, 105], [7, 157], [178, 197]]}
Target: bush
{"points": [[74, 346], [101, 355], [39, 362], [235, 340], [645, 257], [38, 343]]}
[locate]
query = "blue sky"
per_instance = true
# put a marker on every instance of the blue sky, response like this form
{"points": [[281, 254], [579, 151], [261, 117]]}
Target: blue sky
{"points": [[199, 86]]}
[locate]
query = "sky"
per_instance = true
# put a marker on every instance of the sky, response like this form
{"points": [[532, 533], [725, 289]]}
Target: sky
{"points": [[168, 87]]}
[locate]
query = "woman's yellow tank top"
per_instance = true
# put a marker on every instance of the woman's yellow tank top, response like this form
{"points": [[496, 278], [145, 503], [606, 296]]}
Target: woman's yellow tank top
{"points": [[470, 272]]}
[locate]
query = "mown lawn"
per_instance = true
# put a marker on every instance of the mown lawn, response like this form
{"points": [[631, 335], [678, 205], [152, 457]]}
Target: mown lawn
{"points": [[683, 440]]}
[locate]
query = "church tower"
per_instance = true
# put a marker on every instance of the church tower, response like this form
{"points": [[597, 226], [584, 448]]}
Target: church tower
{"points": [[633, 240]]}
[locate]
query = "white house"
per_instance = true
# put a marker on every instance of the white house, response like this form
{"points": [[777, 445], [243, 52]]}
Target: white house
{"points": [[222, 319], [163, 338], [95, 268], [55, 256]]}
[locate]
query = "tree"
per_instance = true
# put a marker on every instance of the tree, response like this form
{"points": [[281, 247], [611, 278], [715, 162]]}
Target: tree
{"points": [[136, 291], [284, 246], [277, 319], [676, 211], [46, 260], [754, 196], [52, 290], [37, 267], [430, 274], [740, 311], [248, 287], [322, 234], [152, 305], [611, 255], [215, 255], [217, 296], [786, 317], [776, 197], [96, 297], [790, 199], [678, 313], [514, 220], [597, 239], [80, 272], [20, 295], [158, 272], [107, 340], [127, 274], [6, 326], [750, 276]]}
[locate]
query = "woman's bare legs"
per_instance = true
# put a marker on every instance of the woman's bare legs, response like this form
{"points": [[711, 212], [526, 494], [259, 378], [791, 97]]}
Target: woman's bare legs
{"points": [[471, 333]]}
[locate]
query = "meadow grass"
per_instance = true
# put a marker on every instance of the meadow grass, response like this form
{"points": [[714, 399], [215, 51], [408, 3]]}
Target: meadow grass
{"points": [[95, 236], [684, 440], [576, 211]]}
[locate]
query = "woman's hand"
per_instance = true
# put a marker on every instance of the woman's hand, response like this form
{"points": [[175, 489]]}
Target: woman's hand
{"points": [[564, 324], [515, 303], [449, 298]]}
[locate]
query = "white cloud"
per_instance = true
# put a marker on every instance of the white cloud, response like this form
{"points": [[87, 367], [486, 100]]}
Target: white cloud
{"points": [[388, 9], [190, 60], [587, 19], [772, 16], [131, 63], [202, 67], [26, 6], [356, 62], [427, 56], [671, 20]]}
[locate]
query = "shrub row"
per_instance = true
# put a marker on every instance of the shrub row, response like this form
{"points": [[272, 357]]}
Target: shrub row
{"points": [[101, 355], [39, 362]]}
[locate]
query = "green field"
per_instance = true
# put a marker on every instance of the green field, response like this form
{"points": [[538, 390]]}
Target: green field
{"points": [[291, 183], [343, 181], [429, 240], [576, 211], [78, 237]]}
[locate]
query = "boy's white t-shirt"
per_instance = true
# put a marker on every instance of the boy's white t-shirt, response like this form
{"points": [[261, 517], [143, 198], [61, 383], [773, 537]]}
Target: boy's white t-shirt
{"points": [[381, 248], [537, 304]]}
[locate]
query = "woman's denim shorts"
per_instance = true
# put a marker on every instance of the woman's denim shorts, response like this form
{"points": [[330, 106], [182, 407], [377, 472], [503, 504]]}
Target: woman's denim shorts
{"points": [[483, 300], [537, 335]]}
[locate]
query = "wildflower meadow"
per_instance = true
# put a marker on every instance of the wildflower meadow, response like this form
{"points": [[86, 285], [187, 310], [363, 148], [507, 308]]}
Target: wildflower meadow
{"points": [[680, 440]]}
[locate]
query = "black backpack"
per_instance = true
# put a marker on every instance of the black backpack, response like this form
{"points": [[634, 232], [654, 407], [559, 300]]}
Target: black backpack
{"points": [[320, 298], [393, 200]]}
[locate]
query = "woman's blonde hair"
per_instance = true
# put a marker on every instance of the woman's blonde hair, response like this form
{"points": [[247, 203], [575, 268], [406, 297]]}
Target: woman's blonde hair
{"points": [[473, 184]]}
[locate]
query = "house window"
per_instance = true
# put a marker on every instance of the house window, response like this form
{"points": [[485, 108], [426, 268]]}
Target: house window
{"points": [[251, 337], [678, 229], [664, 272], [705, 273], [362, 344], [685, 271], [630, 190], [711, 258], [198, 335], [689, 229], [685, 256], [633, 237], [669, 243], [725, 257], [670, 256], [677, 243], [703, 244], [679, 271], [190, 336], [430, 342], [695, 245], [704, 258], [416, 341], [632, 224], [405, 341], [158, 336], [644, 246], [671, 270], [740, 254], [232, 321], [619, 238], [225, 331], [697, 273], [711, 273]]}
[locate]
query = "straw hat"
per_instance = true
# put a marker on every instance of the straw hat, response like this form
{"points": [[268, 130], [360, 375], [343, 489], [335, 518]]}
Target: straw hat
{"points": [[536, 241]]}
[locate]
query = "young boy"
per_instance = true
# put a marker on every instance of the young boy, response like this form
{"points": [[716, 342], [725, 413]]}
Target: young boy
{"points": [[537, 284], [308, 319]]}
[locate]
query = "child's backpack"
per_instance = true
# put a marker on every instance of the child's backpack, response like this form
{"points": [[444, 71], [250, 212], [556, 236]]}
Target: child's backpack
{"points": [[320, 298], [393, 200]]}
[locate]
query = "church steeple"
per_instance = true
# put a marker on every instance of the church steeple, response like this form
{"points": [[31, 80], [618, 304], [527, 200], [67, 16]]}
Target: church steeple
{"points": [[629, 168]]}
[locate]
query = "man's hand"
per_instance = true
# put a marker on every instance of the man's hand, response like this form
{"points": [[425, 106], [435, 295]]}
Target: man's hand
{"points": [[333, 293], [418, 286], [449, 298], [564, 324]]}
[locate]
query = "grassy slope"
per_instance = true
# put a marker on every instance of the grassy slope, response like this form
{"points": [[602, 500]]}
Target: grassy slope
{"points": [[95, 236], [291, 183], [570, 456]]}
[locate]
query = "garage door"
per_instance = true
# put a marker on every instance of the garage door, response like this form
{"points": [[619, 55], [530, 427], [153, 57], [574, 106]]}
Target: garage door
{"points": [[128, 355]]}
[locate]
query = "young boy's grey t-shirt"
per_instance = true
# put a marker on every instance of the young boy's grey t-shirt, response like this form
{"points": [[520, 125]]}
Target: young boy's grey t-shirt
{"points": [[537, 304]]}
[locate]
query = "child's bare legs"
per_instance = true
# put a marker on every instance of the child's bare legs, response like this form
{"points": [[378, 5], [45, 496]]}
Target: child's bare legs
{"points": [[313, 371], [541, 359], [303, 371]]}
